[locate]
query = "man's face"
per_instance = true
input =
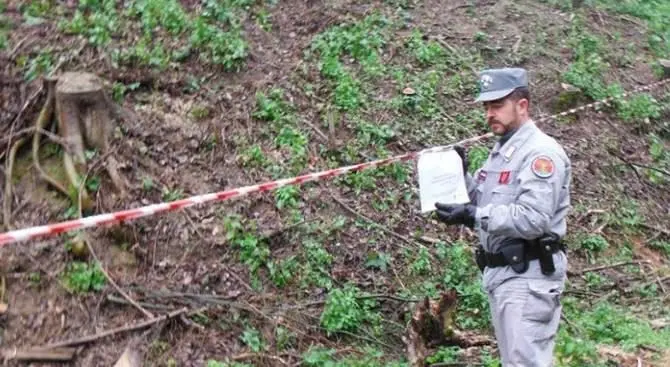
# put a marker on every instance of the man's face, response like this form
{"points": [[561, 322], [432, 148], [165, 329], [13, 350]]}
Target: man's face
{"points": [[505, 114]]}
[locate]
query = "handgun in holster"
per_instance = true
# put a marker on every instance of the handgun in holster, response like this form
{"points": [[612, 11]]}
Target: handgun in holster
{"points": [[546, 246], [480, 258]]}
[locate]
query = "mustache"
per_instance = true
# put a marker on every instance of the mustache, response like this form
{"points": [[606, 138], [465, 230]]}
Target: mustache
{"points": [[493, 121]]}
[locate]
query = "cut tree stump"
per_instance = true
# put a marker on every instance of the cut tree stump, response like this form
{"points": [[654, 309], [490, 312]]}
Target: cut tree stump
{"points": [[85, 121], [665, 64], [433, 325]]}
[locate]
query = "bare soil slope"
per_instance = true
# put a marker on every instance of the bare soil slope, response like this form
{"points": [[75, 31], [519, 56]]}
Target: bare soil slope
{"points": [[223, 94]]}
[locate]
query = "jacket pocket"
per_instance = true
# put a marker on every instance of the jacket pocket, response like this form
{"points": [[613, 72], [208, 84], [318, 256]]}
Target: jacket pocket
{"points": [[502, 195]]}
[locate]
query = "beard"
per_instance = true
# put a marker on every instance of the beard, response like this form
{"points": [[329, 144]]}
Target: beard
{"points": [[501, 128]]}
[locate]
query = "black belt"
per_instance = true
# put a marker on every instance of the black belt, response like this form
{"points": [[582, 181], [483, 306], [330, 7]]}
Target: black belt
{"points": [[532, 252]]}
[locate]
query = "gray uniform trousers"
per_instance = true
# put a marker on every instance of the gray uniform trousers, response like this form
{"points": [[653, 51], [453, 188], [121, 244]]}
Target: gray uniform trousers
{"points": [[523, 191]]}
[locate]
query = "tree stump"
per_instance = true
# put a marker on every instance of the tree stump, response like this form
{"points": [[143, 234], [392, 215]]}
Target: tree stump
{"points": [[665, 65], [433, 325], [84, 121]]}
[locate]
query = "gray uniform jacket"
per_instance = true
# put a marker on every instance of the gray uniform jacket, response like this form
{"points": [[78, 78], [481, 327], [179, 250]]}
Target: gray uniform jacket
{"points": [[522, 191]]}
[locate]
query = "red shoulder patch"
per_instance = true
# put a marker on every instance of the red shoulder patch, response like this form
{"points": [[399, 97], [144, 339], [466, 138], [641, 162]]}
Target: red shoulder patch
{"points": [[543, 166]]}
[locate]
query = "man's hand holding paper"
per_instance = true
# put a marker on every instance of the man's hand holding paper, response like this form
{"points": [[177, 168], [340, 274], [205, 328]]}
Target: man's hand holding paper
{"points": [[442, 179]]}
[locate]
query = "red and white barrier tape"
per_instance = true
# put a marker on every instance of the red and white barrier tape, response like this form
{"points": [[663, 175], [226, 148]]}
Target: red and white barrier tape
{"points": [[126, 215]]}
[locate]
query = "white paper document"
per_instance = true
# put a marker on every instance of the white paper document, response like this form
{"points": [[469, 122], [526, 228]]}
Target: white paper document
{"points": [[441, 180]]}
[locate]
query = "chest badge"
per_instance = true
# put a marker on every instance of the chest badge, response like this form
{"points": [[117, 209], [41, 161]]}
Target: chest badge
{"points": [[504, 177]]}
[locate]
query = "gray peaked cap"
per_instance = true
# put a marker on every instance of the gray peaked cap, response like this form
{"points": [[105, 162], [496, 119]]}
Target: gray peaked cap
{"points": [[498, 83]]}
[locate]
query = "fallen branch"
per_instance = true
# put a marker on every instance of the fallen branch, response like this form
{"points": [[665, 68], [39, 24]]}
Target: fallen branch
{"points": [[245, 356], [429, 240], [317, 130], [91, 338], [53, 355], [371, 296], [664, 172], [603, 267], [124, 301], [197, 296], [190, 323], [654, 228]]}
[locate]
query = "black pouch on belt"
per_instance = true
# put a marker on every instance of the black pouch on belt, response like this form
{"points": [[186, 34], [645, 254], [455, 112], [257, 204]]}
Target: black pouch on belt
{"points": [[480, 258], [514, 252], [545, 255]]}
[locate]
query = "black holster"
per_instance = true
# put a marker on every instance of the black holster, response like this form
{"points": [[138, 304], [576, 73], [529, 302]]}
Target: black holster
{"points": [[480, 258], [545, 249]]}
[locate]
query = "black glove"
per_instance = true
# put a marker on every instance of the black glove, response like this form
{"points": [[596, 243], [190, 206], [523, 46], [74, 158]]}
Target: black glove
{"points": [[457, 214], [464, 157]]}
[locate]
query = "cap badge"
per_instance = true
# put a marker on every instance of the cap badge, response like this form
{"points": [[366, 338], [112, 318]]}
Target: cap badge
{"points": [[486, 81]]}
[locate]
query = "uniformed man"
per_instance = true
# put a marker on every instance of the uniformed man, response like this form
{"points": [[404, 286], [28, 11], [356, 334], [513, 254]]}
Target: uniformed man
{"points": [[519, 202]]}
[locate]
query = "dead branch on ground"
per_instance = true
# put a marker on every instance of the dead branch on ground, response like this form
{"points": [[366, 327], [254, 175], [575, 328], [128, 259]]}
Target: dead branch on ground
{"points": [[91, 338], [33, 355], [603, 267]]}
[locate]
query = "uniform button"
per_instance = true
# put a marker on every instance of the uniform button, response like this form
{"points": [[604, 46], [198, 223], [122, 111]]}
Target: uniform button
{"points": [[515, 258], [547, 247]]}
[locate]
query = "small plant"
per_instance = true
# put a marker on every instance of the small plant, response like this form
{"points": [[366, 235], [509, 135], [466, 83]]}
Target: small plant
{"points": [[284, 337], [639, 107], [270, 107], [594, 243], [316, 269], [252, 338], [147, 184], [344, 312], [282, 272], [253, 157], [626, 214], [421, 264], [661, 160], [119, 90], [379, 260], [42, 64], [200, 112], [287, 197], [81, 277], [426, 53], [444, 355], [254, 251], [480, 36], [172, 194]]}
